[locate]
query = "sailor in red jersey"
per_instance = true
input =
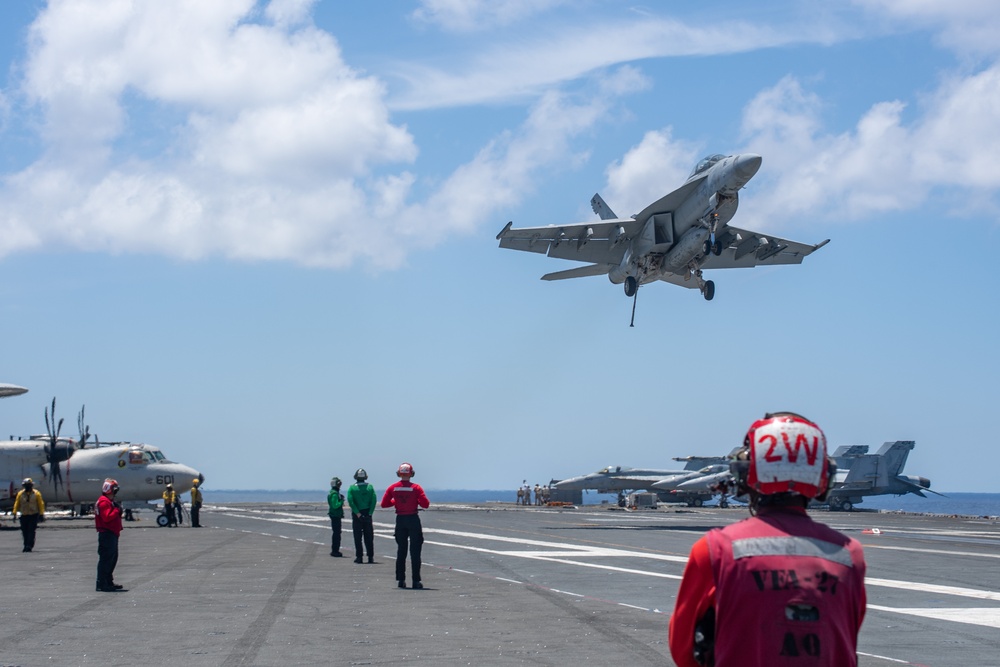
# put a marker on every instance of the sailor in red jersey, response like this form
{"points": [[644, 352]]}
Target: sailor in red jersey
{"points": [[407, 497], [778, 588], [108, 521]]}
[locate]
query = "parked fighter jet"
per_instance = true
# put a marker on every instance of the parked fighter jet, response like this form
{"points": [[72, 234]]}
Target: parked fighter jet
{"points": [[68, 472], [673, 239], [616, 479], [862, 474], [693, 487]]}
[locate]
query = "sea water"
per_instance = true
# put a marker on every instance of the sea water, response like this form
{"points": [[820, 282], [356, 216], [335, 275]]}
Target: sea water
{"points": [[965, 504]]}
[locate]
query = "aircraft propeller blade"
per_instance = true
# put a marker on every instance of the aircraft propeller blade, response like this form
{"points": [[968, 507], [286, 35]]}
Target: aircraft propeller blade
{"points": [[84, 429], [53, 429]]}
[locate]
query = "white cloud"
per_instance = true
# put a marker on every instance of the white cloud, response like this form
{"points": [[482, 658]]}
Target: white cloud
{"points": [[272, 148], [472, 15], [964, 26], [883, 164], [521, 68], [289, 12]]}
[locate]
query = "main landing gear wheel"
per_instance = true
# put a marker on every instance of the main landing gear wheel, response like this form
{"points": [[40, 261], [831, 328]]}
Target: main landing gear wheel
{"points": [[697, 502], [709, 290], [631, 286], [161, 521], [847, 506]]}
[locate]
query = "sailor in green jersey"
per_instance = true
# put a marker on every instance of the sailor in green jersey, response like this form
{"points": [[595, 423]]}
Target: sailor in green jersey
{"points": [[361, 497], [335, 499]]}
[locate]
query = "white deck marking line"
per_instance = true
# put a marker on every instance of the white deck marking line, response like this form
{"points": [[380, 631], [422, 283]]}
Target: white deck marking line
{"points": [[933, 588], [931, 551], [576, 595], [575, 549], [882, 657], [988, 616], [632, 606], [513, 581], [534, 556]]}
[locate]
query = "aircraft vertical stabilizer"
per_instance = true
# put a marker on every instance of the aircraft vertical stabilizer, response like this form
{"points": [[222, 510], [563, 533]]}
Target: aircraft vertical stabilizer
{"points": [[895, 454]]}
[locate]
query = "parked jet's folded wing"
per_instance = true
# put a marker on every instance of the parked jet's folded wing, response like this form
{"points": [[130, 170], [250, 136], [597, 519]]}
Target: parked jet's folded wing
{"points": [[744, 249]]}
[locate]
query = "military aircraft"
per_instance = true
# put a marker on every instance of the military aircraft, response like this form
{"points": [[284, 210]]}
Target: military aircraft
{"points": [[70, 473], [616, 479], [862, 474], [672, 482], [673, 239]]}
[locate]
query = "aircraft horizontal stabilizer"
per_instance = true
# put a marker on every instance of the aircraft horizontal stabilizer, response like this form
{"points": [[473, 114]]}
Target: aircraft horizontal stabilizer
{"points": [[580, 272]]}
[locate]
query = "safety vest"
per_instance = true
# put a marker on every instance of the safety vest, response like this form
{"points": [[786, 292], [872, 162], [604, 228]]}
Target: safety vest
{"points": [[789, 591]]}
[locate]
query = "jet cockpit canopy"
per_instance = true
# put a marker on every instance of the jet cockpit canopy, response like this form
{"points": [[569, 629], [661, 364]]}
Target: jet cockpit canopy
{"points": [[705, 163]]}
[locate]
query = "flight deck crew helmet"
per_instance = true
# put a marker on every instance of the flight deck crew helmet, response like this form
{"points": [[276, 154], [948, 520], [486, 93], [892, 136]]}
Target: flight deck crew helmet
{"points": [[196, 482], [784, 453], [405, 471], [109, 486], [335, 483], [27, 482], [360, 475]]}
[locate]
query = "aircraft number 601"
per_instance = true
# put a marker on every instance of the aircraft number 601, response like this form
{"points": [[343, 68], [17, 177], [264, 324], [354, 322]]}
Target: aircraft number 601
{"points": [[164, 479]]}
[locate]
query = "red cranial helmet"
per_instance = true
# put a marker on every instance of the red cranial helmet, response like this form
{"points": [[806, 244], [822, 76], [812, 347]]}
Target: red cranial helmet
{"points": [[405, 471], [784, 453]]}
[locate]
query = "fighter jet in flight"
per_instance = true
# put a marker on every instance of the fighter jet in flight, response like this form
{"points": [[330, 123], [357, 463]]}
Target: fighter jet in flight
{"points": [[673, 239]]}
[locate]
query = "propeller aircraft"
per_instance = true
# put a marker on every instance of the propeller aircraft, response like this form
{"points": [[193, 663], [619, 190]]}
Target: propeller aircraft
{"points": [[70, 472]]}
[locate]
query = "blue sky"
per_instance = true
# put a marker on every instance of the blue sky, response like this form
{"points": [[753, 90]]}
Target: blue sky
{"points": [[261, 235]]}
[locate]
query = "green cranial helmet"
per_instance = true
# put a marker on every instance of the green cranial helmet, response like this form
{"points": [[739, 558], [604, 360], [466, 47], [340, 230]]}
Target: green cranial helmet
{"points": [[360, 475], [335, 483]]}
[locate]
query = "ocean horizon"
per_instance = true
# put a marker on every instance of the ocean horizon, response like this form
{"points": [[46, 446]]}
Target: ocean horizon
{"points": [[959, 503]]}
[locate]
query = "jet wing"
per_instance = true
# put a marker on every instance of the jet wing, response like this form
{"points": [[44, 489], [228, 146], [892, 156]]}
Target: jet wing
{"points": [[602, 243], [744, 249]]}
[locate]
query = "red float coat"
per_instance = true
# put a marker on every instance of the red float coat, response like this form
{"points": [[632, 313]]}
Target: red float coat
{"points": [[107, 517], [786, 590], [405, 496]]}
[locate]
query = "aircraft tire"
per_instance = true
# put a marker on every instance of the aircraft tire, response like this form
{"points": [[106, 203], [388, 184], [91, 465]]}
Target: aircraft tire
{"points": [[697, 502], [847, 506], [717, 248], [709, 290], [161, 520], [631, 285]]}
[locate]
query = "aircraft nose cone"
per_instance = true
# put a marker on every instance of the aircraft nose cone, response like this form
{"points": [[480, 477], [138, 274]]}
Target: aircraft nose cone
{"points": [[746, 166]]}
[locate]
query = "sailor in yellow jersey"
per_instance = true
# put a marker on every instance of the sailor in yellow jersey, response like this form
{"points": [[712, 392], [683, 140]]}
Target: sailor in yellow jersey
{"points": [[32, 508], [195, 504]]}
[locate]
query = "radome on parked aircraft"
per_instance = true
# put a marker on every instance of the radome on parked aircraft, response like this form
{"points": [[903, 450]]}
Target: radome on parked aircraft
{"points": [[673, 239]]}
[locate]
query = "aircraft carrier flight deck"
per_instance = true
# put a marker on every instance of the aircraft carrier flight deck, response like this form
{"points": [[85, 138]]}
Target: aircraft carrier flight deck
{"points": [[504, 585]]}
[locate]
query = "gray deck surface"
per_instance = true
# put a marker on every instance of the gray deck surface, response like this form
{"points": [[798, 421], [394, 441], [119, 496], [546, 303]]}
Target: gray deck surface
{"points": [[504, 585]]}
